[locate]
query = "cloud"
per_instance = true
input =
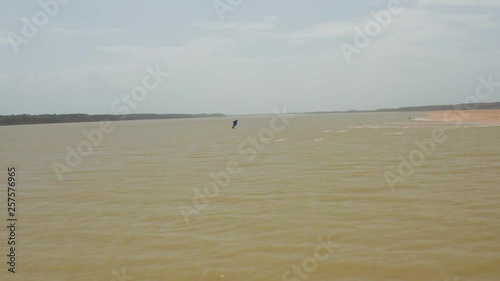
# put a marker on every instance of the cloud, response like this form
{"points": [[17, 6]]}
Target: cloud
{"points": [[470, 20], [268, 29], [325, 30], [237, 26], [82, 33], [417, 55], [419, 20], [482, 3], [4, 40], [421, 32]]}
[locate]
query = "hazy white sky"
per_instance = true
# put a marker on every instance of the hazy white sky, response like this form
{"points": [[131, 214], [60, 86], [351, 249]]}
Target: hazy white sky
{"points": [[262, 54]]}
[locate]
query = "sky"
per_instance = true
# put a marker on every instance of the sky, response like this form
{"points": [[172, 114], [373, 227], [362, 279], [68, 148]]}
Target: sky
{"points": [[242, 56]]}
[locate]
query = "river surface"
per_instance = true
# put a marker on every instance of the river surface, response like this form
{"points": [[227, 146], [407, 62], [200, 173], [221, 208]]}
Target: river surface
{"points": [[354, 197]]}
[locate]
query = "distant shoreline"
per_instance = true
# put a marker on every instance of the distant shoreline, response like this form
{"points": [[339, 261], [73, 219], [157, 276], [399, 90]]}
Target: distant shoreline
{"points": [[427, 108], [27, 119], [439, 112], [488, 116]]}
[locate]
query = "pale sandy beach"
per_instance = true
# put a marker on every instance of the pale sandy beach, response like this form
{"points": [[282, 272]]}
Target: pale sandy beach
{"points": [[468, 116]]}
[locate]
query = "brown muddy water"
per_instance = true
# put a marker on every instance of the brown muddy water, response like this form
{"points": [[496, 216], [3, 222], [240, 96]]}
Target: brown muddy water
{"points": [[316, 197]]}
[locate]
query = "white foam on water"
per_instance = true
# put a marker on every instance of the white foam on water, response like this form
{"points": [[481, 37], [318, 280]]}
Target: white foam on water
{"points": [[422, 119], [376, 127]]}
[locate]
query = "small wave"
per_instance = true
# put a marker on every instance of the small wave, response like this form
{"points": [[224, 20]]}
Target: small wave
{"points": [[320, 139], [422, 119], [341, 131], [375, 127], [280, 140], [396, 134]]}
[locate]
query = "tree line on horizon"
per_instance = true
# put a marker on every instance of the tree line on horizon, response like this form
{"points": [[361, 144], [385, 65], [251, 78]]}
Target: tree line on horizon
{"points": [[28, 119], [475, 106]]}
